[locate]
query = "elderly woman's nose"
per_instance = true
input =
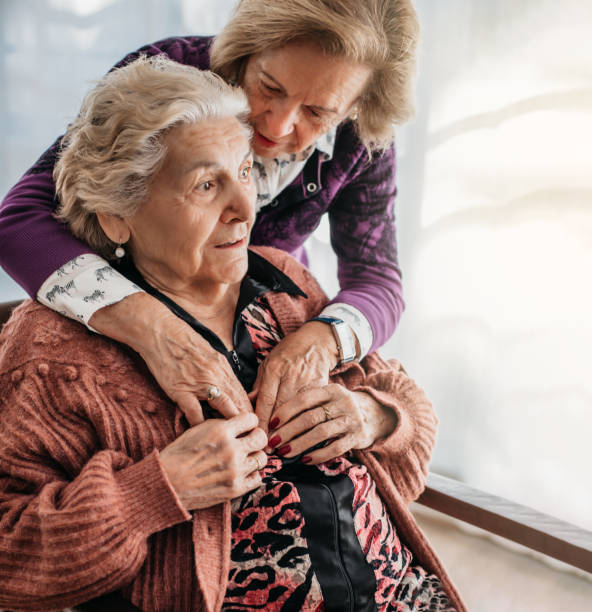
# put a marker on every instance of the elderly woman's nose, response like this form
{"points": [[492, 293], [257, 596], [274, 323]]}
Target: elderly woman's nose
{"points": [[240, 205]]}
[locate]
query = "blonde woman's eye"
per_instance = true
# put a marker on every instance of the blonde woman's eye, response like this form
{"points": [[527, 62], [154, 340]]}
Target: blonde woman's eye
{"points": [[245, 173], [269, 88]]}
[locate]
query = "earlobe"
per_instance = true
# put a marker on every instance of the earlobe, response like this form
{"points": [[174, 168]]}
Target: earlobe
{"points": [[115, 228]]}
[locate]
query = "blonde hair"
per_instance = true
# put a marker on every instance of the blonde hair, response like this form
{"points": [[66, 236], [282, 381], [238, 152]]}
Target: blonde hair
{"points": [[381, 34], [112, 150]]}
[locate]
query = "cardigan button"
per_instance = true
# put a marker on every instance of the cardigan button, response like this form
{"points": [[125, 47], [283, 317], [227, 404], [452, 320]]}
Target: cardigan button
{"points": [[101, 380], [121, 395], [17, 376], [150, 407], [70, 373], [274, 203], [311, 187], [43, 369]]}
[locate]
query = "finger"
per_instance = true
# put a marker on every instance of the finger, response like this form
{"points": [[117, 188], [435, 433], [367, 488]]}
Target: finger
{"points": [[253, 481], [254, 392], [241, 423], [254, 441], [266, 398], [304, 400], [337, 448], [190, 406], [224, 405], [256, 461], [336, 428]]}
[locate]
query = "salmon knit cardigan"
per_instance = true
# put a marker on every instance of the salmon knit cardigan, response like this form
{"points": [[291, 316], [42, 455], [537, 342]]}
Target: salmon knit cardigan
{"points": [[85, 506]]}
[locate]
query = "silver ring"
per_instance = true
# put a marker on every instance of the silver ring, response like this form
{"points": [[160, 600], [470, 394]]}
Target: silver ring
{"points": [[328, 416], [212, 392]]}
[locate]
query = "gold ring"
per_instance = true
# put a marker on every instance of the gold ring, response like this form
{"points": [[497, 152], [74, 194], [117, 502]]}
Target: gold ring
{"points": [[327, 413], [212, 392]]}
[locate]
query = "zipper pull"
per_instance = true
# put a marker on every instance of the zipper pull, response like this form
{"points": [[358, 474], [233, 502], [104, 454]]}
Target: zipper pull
{"points": [[236, 360]]}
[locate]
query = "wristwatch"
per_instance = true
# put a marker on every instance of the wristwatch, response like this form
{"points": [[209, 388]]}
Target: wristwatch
{"points": [[346, 342]]}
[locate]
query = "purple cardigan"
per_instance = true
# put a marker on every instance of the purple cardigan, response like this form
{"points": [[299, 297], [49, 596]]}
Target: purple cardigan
{"points": [[357, 194]]}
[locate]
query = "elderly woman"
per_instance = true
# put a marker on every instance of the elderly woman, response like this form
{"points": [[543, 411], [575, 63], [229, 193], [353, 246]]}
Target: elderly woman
{"points": [[106, 484], [326, 80]]}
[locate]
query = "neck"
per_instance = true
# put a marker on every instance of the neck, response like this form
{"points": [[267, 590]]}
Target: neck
{"points": [[211, 303]]}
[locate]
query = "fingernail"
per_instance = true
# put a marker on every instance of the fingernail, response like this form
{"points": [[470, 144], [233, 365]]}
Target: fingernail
{"points": [[284, 450], [275, 441], [306, 459], [274, 423]]}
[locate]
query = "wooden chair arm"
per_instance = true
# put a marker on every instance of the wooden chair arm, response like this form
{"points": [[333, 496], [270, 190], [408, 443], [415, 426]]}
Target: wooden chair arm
{"points": [[528, 527]]}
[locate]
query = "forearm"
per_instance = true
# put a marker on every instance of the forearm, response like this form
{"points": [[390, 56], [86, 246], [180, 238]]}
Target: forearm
{"points": [[363, 236], [74, 541], [135, 321], [32, 243]]}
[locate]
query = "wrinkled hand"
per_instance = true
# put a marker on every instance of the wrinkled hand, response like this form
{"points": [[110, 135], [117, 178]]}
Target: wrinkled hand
{"points": [[343, 418], [216, 461], [181, 361], [302, 359]]}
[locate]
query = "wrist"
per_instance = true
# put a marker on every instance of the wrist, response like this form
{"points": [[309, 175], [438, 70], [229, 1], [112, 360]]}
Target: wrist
{"points": [[345, 339], [135, 321], [326, 340], [381, 419]]}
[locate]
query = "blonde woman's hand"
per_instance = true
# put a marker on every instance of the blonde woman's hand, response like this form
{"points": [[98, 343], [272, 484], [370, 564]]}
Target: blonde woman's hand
{"points": [[332, 415], [216, 461], [182, 362], [302, 359]]}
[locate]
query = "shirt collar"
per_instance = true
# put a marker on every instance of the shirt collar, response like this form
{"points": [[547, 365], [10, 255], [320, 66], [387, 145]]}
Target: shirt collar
{"points": [[270, 278]]}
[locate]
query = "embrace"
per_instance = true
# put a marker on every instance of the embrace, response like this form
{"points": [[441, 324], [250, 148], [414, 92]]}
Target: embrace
{"points": [[111, 489]]}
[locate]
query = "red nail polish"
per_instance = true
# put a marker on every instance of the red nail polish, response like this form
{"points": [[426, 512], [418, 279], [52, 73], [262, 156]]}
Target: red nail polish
{"points": [[274, 441], [274, 423], [284, 450], [306, 459]]}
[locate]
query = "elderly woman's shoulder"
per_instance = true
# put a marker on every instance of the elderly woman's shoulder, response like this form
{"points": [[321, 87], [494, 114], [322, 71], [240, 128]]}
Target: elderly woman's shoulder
{"points": [[292, 268], [34, 331]]}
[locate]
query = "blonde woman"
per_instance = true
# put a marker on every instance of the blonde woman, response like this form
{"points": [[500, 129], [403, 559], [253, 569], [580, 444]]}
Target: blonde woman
{"points": [[326, 81]]}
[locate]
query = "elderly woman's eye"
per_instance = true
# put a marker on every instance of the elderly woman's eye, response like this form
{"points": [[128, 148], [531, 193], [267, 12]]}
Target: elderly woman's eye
{"points": [[245, 173], [205, 186]]}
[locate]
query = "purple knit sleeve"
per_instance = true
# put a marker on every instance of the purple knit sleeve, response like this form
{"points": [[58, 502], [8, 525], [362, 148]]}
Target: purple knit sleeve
{"points": [[363, 238], [33, 244]]}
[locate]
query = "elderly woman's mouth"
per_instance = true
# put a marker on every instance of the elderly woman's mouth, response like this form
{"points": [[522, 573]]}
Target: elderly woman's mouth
{"points": [[232, 244]]}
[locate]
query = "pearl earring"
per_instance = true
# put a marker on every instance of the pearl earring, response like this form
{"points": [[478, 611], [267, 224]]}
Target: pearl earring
{"points": [[119, 252]]}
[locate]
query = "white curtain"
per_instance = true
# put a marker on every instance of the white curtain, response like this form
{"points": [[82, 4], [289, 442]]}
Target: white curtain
{"points": [[494, 213]]}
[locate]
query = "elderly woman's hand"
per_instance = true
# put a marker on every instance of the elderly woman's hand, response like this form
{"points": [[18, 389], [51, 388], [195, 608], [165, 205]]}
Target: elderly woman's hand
{"points": [[216, 461], [342, 418], [302, 359], [181, 361]]}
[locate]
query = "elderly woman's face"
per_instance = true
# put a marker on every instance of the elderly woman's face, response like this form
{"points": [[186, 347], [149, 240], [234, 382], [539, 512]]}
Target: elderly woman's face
{"points": [[195, 226], [297, 93]]}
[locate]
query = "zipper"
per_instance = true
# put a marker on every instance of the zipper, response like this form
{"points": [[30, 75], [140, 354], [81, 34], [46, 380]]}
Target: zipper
{"points": [[348, 582], [236, 360]]}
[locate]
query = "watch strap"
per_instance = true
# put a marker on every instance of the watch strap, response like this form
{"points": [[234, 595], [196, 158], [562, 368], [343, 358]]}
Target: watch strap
{"points": [[344, 337]]}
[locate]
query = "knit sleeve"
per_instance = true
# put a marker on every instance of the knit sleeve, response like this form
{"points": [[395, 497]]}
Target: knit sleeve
{"points": [[406, 452], [69, 533]]}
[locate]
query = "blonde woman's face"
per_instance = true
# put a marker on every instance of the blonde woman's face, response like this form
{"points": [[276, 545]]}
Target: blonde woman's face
{"points": [[297, 93]]}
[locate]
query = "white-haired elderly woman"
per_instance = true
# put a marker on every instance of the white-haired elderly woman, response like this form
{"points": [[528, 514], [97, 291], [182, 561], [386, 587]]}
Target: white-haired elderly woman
{"points": [[326, 80], [110, 493]]}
